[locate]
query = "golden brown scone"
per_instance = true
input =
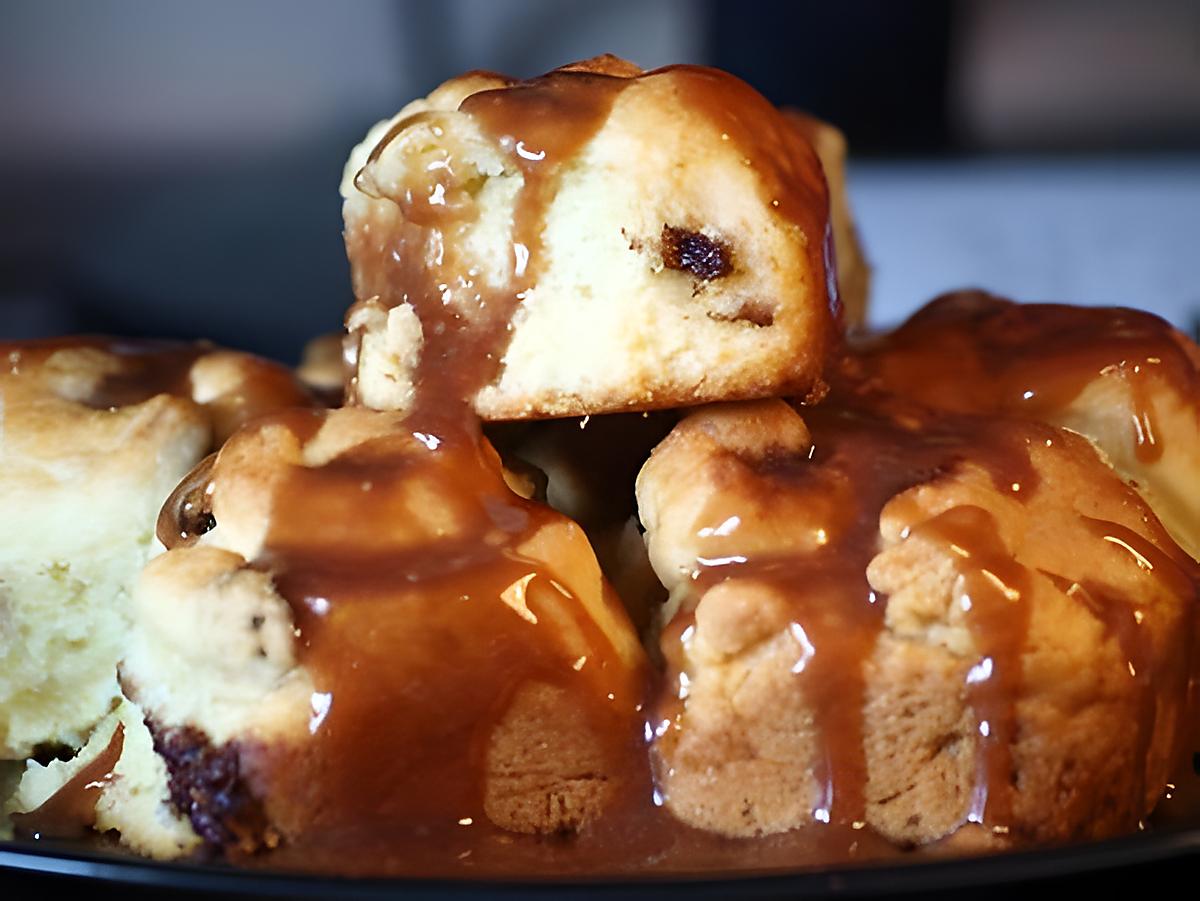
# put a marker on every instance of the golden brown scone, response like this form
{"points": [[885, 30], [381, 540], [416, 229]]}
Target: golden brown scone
{"points": [[853, 270], [95, 434], [1123, 378], [594, 240], [912, 623], [371, 631]]}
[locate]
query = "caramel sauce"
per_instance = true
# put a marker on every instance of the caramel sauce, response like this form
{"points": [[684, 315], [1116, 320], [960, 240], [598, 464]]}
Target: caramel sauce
{"points": [[409, 255], [392, 778], [971, 352], [867, 448], [418, 614], [999, 590], [71, 811]]}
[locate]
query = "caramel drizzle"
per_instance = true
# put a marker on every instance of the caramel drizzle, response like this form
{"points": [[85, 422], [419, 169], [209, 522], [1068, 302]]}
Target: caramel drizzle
{"points": [[974, 353], [356, 580], [998, 590], [357, 577], [863, 456]]}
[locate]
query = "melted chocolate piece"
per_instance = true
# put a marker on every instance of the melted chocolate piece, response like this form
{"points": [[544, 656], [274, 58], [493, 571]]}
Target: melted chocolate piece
{"points": [[206, 786], [71, 811], [689, 251], [187, 513]]}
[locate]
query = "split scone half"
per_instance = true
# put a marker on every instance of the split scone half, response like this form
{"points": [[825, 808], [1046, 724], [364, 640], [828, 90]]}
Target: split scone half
{"points": [[594, 240]]}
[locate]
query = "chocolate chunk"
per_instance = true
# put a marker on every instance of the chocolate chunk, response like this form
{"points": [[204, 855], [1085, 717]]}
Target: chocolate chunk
{"points": [[690, 251], [205, 785]]}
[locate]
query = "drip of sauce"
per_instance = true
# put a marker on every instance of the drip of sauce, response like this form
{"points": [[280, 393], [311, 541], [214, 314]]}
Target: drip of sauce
{"points": [[420, 613], [70, 813], [999, 592], [865, 453]]}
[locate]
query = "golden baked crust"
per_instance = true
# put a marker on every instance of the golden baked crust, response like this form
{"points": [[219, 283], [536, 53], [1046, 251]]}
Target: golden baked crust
{"points": [[598, 239], [1087, 624]]}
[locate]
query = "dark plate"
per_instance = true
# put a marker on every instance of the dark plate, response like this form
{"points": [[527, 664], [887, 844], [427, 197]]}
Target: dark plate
{"points": [[1159, 858]]}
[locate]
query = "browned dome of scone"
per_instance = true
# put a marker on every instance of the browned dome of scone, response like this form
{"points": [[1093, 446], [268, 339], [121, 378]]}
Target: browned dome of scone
{"points": [[912, 622]]}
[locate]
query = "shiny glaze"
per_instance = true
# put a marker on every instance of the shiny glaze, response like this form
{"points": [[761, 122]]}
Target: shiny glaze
{"points": [[413, 653], [971, 352], [414, 656], [391, 780], [393, 768]]}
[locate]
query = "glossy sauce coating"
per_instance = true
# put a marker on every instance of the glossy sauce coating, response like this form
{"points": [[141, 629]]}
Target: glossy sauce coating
{"points": [[412, 800], [410, 254], [971, 352], [385, 694]]}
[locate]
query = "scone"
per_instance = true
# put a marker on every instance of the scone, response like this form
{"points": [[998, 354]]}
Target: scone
{"points": [[1123, 378], [910, 622], [96, 433], [597, 239], [360, 631]]}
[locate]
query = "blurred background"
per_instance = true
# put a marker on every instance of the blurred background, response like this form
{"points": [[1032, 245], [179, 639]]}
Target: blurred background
{"points": [[171, 168]]}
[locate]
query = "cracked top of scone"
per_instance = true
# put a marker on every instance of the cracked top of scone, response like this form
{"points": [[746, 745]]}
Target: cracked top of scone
{"points": [[64, 382], [593, 240], [377, 637], [910, 621], [1123, 378]]}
